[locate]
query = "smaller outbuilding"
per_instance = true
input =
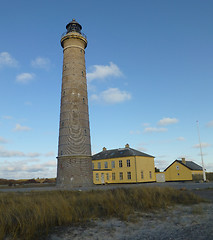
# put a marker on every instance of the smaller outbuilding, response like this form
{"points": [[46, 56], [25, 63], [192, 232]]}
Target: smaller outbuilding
{"points": [[182, 170]]}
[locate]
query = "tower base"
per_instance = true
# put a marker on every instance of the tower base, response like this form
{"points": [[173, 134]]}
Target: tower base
{"points": [[74, 171]]}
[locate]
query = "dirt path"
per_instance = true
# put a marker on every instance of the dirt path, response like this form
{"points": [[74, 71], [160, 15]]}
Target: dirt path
{"points": [[179, 223]]}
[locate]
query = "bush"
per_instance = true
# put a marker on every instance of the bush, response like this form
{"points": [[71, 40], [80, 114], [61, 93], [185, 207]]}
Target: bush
{"points": [[209, 176]]}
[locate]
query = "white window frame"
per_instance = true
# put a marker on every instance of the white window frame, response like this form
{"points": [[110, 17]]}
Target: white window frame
{"points": [[107, 176], [120, 163], [128, 162], [97, 177], [113, 164], [129, 177], [113, 176]]}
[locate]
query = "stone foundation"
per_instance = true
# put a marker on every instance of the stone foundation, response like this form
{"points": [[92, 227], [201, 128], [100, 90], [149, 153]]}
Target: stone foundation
{"points": [[74, 171]]}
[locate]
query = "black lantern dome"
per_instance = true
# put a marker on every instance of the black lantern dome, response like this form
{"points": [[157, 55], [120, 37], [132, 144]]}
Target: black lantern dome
{"points": [[73, 27]]}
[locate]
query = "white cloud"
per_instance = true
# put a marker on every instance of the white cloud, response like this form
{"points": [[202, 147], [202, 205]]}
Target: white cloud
{"points": [[181, 139], [203, 145], [137, 132], [145, 124], [7, 117], [11, 153], [7, 60], [210, 124], [49, 154], [141, 147], [154, 129], [25, 78], [203, 154], [20, 128], [112, 96], [3, 140], [40, 62], [25, 169], [103, 71], [167, 121]]}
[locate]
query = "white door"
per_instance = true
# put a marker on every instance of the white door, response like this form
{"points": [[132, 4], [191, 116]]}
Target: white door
{"points": [[102, 178]]}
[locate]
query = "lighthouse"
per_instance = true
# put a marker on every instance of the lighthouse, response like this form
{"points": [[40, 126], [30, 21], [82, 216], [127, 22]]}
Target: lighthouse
{"points": [[74, 168]]}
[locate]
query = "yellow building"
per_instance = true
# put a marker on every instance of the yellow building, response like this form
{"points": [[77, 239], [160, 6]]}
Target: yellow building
{"points": [[122, 165], [182, 170]]}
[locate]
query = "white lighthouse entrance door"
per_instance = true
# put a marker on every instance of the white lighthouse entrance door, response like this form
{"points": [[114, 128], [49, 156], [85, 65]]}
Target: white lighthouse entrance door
{"points": [[102, 178]]}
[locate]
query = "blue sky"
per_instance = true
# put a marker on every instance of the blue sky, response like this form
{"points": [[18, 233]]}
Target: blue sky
{"points": [[149, 71]]}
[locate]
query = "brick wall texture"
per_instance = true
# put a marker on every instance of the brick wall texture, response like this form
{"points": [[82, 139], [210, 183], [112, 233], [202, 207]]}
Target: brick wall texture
{"points": [[74, 147]]}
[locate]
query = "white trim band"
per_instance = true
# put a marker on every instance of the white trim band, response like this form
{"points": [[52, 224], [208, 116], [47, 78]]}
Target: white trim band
{"points": [[73, 46]]}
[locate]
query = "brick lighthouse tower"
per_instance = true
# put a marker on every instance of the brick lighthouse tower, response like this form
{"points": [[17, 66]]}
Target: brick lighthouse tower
{"points": [[74, 148]]}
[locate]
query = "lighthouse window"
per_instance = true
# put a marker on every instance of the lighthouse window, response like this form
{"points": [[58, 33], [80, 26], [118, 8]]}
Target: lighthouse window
{"points": [[61, 152], [85, 132], [63, 93], [83, 100], [62, 124], [82, 73]]}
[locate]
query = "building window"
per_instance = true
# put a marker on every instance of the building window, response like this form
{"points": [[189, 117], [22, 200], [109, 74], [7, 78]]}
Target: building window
{"points": [[83, 100], [113, 176], [128, 163], [120, 163], [129, 175], [150, 174], [85, 132], [97, 177], [107, 176], [121, 176], [113, 164], [99, 165], [82, 73], [177, 167], [93, 166], [106, 164], [141, 174]]}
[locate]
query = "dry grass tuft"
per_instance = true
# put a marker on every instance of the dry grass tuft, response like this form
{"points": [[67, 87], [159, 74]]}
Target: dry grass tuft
{"points": [[31, 215]]}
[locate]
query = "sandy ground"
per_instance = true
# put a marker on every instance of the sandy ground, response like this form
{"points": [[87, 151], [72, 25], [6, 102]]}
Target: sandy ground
{"points": [[194, 222], [179, 223]]}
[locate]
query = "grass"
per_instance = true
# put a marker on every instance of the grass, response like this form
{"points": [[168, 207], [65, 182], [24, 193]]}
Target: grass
{"points": [[31, 215]]}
